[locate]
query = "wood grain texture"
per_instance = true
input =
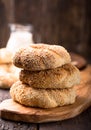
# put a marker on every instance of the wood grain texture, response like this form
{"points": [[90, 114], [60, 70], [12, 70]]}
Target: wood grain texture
{"points": [[64, 22], [10, 125], [14, 111], [79, 61], [4, 28]]}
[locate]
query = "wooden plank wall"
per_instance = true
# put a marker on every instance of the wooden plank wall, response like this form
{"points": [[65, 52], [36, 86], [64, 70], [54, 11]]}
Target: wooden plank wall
{"points": [[4, 29], [64, 22]]}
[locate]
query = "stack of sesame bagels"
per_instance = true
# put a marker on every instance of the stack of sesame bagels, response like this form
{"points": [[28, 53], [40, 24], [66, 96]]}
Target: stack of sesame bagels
{"points": [[47, 77]]}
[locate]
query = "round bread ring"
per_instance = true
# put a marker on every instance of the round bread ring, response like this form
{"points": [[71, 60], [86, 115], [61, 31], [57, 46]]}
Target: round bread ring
{"points": [[9, 74], [6, 80], [61, 77], [43, 98], [5, 56], [41, 57], [5, 67]]}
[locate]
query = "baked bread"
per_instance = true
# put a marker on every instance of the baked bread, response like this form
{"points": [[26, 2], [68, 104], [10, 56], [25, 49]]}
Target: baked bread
{"points": [[61, 77], [41, 56], [43, 98], [5, 56], [7, 79], [9, 74], [5, 67]]}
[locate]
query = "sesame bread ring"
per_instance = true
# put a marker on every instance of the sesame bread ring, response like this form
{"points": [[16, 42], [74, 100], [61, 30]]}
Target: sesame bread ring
{"points": [[9, 74], [5, 56], [43, 98], [61, 77], [41, 57]]}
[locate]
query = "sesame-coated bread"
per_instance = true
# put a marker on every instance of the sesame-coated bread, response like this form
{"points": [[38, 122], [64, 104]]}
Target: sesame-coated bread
{"points": [[41, 57], [43, 98], [5, 56], [9, 74], [65, 76]]}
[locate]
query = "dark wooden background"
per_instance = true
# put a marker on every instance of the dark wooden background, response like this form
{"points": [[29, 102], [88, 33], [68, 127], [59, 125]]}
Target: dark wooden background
{"points": [[63, 22]]}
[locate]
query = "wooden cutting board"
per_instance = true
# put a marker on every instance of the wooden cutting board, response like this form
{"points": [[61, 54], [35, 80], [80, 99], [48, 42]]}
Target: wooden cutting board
{"points": [[14, 111]]}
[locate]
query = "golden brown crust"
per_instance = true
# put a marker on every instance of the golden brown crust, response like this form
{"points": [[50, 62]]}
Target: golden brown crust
{"points": [[48, 98], [7, 79], [5, 67], [5, 56], [41, 57], [9, 74], [61, 77]]}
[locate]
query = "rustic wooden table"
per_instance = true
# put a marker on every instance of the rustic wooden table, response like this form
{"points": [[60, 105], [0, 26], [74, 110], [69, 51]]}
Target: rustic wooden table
{"points": [[81, 122]]}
